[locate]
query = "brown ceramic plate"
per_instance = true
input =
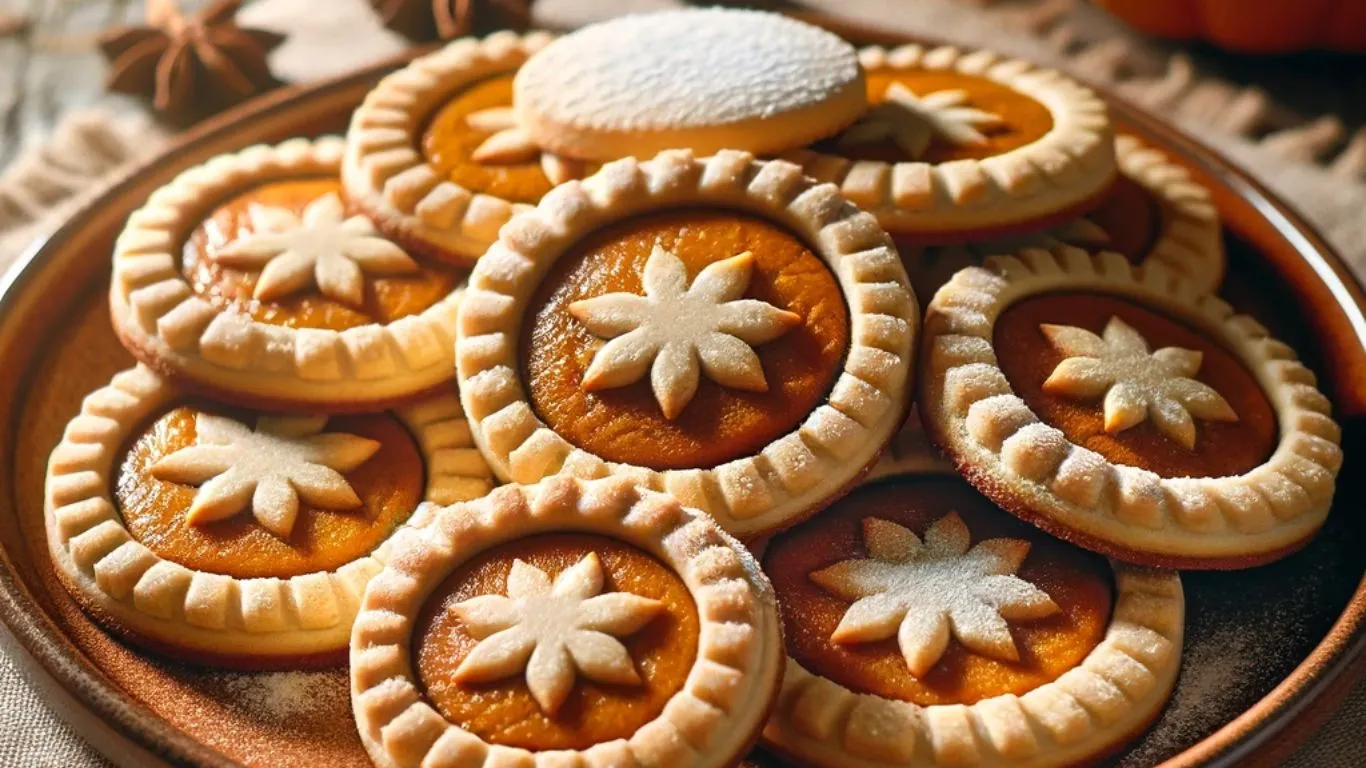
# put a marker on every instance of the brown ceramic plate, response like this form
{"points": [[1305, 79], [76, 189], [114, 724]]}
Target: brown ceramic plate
{"points": [[1269, 650]]}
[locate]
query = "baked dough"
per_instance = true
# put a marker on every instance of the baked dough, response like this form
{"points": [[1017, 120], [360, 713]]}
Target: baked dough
{"points": [[699, 79], [210, 618], [794, 475], [1032, 470], [711, 722], [216, 349]]}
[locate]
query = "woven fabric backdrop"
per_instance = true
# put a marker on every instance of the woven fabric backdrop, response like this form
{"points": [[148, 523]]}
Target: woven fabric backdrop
{"points": [[1306, 159]]}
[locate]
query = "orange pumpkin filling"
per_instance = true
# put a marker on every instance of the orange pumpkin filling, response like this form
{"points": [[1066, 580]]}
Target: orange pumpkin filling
{"points": [[627, 424], [1078, 582], [386, 298], [1023, 120], [1221, 448], [389, 484], [450, 141], [504, 711]]}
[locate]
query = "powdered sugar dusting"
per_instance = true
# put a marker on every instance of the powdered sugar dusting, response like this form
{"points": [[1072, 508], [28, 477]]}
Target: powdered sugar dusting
{"points": [[920, 591], [283, 695], [686, 68]]}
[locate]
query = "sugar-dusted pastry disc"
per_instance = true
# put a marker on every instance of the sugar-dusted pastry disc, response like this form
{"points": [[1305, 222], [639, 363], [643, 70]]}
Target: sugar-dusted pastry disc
{"points": [[248, 278], [1122, 408], [223, 536], [595, 621], [699, 79], [722, 328], [925, 627], [959, 146], [436, 156]]}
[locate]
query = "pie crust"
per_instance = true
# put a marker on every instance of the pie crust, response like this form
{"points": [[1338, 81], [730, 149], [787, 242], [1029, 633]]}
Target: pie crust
{"points": [[712, 721], [1087, 712], [704, 79], [1050, 179], [166, 325], [385, 173], [1187, 236], [206, 617], [1032, 470], [794, 475]]}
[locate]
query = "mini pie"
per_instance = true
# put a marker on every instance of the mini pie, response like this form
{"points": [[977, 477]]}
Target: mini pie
{"points": [[569, 623], [436, 156], [245, 278], [1154, 211], [1122, 409], [763, 368], [699, 79], [925, 627], [221, 536], [962, 146]]}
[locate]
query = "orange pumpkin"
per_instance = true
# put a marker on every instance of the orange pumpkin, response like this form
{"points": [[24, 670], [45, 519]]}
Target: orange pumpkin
{"points": [[1253, 26]]}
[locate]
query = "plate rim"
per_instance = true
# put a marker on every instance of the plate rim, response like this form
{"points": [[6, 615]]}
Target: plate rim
{"points": [[1328, 670]]}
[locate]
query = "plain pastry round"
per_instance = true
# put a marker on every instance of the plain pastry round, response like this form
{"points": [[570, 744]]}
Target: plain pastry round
{"points": [[703, 80]]}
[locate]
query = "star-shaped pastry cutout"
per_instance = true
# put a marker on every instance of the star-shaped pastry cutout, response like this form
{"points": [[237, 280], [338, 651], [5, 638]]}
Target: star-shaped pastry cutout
{"points": [[677, 332], [511, 145], [553, 632], [919, 592], [1137, 385], [323, 247], [913, 122], [269, 469]]}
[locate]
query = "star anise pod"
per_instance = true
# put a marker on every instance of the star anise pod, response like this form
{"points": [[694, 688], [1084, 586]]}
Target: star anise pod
{"points": [[190, 66], [426, 20]]}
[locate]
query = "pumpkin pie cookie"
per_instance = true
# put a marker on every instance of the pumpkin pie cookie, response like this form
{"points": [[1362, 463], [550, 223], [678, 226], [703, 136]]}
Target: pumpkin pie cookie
{"points": [[699, 79], [1154, 211], [1122, 408], [594, 621], [723, 329], [960, 146], [925, 627], [222, 536], [437, 156], [246, 278]]}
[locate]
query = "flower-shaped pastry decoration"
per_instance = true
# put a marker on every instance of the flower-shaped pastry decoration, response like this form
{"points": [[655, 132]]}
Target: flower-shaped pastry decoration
{"points": [[913, 122], [323, 247], [677, 332], [920, 591], [511, 145], [270, 469], [1137, 385], [553, 632]]}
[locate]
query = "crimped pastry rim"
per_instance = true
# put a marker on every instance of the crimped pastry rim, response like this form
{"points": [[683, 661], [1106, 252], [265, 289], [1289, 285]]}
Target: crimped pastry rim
{"points": [[750, 495], [1088, 711], [1069, 166], [166, 325], [711, 721], [1190, 241], [109, 571], [1123, 511], [385, 173]]}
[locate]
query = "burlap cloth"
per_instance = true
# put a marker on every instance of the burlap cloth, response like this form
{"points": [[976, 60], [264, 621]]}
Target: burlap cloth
{"points": [[1307, 162]]}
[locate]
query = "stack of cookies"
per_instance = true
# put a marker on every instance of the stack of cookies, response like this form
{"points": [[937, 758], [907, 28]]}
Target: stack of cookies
{"points": [[569, 396]]}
